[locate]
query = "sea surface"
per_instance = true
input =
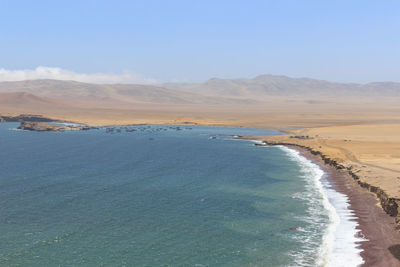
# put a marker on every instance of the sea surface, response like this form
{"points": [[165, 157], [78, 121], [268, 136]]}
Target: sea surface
{"points": [[166, 196]]}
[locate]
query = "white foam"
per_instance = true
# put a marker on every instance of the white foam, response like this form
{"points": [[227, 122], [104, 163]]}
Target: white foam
{"points": [[258, 142], [68, 124], [341, 239]]}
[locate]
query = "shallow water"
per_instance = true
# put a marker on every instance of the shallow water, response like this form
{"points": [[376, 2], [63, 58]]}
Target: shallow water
{"points": [[159, 196]]}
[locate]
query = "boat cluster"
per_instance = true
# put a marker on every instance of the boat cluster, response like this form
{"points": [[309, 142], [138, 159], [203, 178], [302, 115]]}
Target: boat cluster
{"points": [[143, 128]]}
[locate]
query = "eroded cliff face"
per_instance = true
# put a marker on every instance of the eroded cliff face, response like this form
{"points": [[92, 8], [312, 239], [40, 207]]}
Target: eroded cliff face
{"points": [[389, 204]]}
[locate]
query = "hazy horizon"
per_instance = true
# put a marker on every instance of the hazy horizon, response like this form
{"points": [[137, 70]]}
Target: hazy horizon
{"points": [[50, 73], [180, 41]]}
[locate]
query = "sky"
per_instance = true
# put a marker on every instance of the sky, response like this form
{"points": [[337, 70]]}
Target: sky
{"points": [[152, 41]]}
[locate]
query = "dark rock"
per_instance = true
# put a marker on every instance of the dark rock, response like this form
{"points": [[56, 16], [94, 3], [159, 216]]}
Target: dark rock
{"points": [[39, 126], [298, 228]]}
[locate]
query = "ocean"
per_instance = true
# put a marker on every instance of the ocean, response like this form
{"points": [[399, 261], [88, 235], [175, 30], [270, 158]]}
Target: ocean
{"points": [[151, 195]]}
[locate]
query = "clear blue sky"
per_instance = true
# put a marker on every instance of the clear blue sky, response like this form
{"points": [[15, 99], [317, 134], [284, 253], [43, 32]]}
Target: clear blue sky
{"points": [[194, 40]]}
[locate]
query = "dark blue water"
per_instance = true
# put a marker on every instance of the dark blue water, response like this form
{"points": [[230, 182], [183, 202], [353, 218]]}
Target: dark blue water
{"points": [[156, 196]]}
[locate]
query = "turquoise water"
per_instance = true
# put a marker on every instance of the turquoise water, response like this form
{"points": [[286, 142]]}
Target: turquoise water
{"points": [[156, 196]]}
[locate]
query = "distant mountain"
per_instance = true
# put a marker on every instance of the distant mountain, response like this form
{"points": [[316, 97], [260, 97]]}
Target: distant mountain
{"points": [[112, 95], [265, 86], [261, 91], [217, 101]]}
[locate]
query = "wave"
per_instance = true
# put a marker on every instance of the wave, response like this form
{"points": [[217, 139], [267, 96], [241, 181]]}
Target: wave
{"points": [[341, 238]]}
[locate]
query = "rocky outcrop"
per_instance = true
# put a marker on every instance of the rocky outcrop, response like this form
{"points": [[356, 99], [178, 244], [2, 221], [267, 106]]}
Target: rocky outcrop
{"points": [[46, 127], [40, 127], [42, 124], [390, 205]]}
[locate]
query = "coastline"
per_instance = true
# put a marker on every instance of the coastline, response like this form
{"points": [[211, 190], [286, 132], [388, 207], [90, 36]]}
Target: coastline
{"points": [[340, 240], [42, 123], [376, 225], [382, 245]]}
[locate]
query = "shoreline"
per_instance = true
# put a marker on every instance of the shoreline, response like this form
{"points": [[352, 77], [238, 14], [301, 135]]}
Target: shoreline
{"points": [[382, 245], [29, 117], [340, 242], [32, 118]]}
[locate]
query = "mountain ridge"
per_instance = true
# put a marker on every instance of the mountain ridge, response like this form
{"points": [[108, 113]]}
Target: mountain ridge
{"points": [[263, 86], [261, 90]]}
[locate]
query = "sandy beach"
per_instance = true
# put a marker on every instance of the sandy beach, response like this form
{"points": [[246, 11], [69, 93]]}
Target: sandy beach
{"points": [[363, 163], [383, 240], [370, 153]]}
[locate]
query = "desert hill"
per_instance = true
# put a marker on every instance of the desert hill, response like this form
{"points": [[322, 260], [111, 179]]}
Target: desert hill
{"points": [[24, 100], [232, 92], [265, 86], [265, 101], [112, 95]]}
